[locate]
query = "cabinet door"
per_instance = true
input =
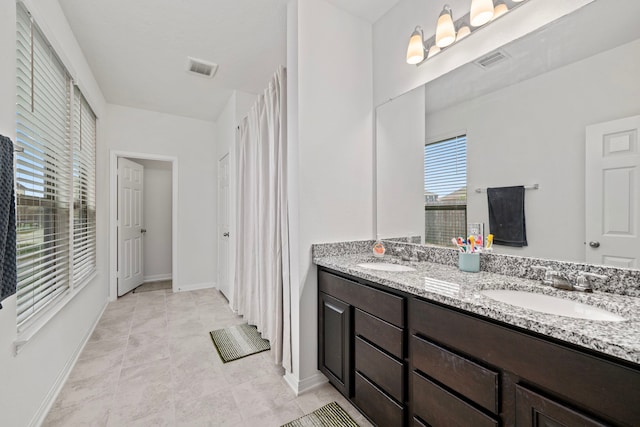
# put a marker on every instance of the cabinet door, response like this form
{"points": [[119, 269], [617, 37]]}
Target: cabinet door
{"points": [[534, 410], [334, 344]]}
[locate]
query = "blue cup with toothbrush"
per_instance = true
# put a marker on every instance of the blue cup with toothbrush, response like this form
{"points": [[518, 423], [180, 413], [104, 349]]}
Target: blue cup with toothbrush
{"points": [[468, 257]]}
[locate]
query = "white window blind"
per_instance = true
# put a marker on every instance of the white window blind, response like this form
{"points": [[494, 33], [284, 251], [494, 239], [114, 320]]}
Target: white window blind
{"points": [[84, 194], [445, 189], [55, 172]]}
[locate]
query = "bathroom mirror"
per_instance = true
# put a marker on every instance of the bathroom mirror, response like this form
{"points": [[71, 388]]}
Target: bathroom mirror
{"points": [[525, 118]]}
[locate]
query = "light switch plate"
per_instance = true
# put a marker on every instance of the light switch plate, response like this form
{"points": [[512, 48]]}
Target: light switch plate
{"points": [[475, 229]]}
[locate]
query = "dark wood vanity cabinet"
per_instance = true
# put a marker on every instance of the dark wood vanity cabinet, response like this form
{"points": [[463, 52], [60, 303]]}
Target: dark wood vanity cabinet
{"points": [[404, 361], [334, 349], [362, 346], [477, 372]]}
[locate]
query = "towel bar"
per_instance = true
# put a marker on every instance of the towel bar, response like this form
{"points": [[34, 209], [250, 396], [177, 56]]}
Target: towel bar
{"points": [[526, 187]]}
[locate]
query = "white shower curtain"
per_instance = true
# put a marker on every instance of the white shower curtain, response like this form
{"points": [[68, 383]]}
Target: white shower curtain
{"points": [[261, 282]]}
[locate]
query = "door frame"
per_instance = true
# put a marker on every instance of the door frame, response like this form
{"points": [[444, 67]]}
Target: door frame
{"points": [[113, 214], [227, 155]]}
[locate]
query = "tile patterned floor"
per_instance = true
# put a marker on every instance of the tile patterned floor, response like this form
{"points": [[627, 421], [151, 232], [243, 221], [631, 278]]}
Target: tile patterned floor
{"points": [[151, 362]]}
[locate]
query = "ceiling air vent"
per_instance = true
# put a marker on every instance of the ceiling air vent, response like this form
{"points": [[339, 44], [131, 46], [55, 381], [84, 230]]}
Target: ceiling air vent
{"points": [[201, 68], [491, 59]]}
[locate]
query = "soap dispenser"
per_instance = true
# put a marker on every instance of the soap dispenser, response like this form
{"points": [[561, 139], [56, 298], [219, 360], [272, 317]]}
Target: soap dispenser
{"points": [[378, 249]]}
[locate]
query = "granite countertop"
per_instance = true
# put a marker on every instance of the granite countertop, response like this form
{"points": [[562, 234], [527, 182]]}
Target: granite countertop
{"points": [[450, 286]]}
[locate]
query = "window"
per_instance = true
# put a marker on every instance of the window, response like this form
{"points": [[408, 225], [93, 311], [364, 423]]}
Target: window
{"points": [[445, 190], [84, 184], [55, 176]]}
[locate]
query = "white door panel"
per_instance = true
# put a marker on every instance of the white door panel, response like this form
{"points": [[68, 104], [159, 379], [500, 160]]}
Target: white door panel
{"points": [[612, 185], [130, 228]]}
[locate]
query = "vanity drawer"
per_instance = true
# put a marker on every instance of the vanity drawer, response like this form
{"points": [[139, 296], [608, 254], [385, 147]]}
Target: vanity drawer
{"points": [[381, 304], [417, 423], [381, 333], [438, 407], [384, 370], [379, 407], [475, 382]]}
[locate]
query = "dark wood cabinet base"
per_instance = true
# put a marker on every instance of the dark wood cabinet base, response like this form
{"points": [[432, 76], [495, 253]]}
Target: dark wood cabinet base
{"points": [[403, 361]]}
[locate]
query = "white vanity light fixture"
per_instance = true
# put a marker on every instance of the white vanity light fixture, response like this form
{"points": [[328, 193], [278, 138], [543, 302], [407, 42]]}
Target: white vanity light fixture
{"points": [[500, 9], [481, 12], [416, 49], [445, 30]]}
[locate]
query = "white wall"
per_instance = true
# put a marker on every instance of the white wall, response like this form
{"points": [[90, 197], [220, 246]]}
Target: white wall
{"points": [[534, 132], [330, 132], [400, 129], [157, 219], [192, 142], [31, 379], [393, 76]]}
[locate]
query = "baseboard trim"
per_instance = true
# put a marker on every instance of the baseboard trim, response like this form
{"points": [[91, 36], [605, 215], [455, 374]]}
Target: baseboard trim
{"points": [[158, 277], [194, 287], [302, 386], [49, 400]]}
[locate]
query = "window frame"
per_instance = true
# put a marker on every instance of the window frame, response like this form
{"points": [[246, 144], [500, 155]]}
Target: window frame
{"points": [[49, 160], [453, 206]]}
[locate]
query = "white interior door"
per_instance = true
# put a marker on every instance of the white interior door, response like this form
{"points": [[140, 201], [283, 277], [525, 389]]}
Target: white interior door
{"points": [[223, 226], [130, 231], [612, 198]]}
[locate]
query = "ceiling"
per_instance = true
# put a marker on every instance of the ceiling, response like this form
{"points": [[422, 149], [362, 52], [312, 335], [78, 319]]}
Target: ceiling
{"points": [[138, 49]]}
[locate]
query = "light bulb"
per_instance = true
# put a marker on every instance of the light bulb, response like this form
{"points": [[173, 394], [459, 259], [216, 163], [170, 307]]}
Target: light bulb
{"points": [[463, 32], [445, 31], [433, 50], [500, 10], [415, 50], [481, 12]]}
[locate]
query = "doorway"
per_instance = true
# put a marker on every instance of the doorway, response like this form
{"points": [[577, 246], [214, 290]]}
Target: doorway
{"points": [[155, 232]]}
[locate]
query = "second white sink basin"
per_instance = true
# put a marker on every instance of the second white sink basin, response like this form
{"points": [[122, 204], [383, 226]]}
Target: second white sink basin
{"points": [[552, 305], [386, 266]]}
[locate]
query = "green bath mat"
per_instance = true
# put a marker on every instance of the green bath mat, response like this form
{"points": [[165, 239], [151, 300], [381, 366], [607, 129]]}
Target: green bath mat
{"points": [[236, 342], [330, 415]]}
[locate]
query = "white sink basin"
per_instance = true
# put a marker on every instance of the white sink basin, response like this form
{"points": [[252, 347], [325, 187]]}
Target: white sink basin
{"points": [[386, 266], [552, 305]]}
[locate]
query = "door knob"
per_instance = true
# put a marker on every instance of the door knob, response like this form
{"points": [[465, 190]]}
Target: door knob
{"points": [[594, 244], [143, 230], [226, 234]]}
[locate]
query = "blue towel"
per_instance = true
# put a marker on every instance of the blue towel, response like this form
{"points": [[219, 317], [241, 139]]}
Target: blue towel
{"points": [[8, 273]]}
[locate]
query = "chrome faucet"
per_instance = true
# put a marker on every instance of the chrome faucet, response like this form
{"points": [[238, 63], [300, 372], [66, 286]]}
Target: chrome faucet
{"points": [[407, 254], [583, 281], [561, 281], [554, 278]]}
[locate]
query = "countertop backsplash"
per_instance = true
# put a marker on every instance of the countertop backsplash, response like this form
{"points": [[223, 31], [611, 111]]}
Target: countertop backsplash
{"points": [[620, 281]]}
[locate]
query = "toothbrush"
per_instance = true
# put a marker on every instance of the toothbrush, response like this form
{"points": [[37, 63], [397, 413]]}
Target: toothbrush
{"points": [[472, 241], [455, 243], [489, 241]]}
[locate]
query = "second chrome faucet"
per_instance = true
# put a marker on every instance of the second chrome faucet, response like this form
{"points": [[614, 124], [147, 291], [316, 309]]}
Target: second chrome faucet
{"points": [[561, 281]]}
